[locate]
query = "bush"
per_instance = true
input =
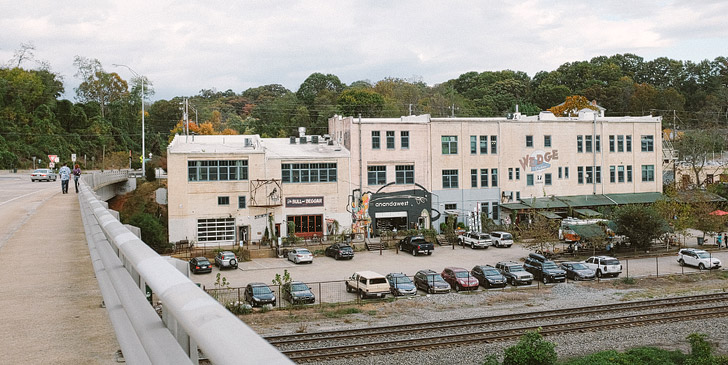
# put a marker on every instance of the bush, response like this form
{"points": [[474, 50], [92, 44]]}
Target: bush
{"points": [[152, 231], [149, 173], [531, 349]]}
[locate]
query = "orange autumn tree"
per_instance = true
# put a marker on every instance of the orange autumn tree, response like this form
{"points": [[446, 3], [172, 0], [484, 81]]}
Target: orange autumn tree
{"points": [[571, 107]]}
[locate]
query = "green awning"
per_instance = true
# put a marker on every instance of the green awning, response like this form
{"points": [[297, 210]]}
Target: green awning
{"points": [[549, 215], [588, 231], [514, 206], [593, 200], [635, 198], [544, 203], [588, 212]]}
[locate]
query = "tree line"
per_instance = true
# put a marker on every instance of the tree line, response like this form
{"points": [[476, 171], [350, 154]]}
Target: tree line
{"points": [[103, 123]]}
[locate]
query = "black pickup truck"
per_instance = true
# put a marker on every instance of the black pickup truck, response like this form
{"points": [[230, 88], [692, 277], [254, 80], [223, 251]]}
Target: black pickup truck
{"points": [[416, 245]]}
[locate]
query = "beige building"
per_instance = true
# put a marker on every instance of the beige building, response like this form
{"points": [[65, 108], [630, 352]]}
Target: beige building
{"points": [[225, 189]]}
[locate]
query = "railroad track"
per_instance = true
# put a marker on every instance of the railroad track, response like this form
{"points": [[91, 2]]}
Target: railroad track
{"points": [[424, 338]]}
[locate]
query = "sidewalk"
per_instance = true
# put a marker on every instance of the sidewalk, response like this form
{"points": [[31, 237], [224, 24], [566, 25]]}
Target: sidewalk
{"points": [[50, 299]]}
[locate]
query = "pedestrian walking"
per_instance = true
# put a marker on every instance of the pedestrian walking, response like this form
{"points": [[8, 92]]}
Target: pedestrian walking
{"points": [[725, 239], [76, 174], [718, 240], [65, 173]]}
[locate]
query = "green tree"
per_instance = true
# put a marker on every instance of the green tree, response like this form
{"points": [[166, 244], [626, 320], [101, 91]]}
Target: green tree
{"points": [[642, 224], [531, 349], [352, 102], [153, 232], [96, 84], [693, 148]]}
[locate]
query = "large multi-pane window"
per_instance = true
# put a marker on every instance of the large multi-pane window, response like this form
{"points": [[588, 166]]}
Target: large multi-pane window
{"points": [[611, 143], [483, 144], [620, 174], [216, 229], [218, 170], [404, 174], [580, 174], [493, 144], [376, 175], [587, 144], [648, 173], [307, 225], [620, 143], [494, 178], [628, 142], [612, 174], [484, 178], [390, 140], [376, 140], [648, 143], [404, 139], [449, 179], [449, 145], [473, 145], [223, 200], [579, 143], [308, 172], [473, 178], [589, 175]]}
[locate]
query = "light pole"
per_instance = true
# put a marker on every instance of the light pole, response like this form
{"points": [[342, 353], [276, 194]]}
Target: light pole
{"points": [[142, 78]]}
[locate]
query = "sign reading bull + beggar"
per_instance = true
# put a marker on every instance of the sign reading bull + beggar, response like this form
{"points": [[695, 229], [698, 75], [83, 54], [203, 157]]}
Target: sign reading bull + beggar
{"points": [[314, 201]]}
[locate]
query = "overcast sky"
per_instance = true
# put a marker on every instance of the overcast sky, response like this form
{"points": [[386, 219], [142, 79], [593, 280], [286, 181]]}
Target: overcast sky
{"points": [[186, 46]]}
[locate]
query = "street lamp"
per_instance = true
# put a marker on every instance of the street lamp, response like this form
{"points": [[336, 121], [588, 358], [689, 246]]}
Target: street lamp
{"points": [[142, 78]]}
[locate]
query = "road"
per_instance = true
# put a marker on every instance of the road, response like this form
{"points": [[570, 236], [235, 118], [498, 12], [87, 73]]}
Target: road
{"points": [[50, 299]]}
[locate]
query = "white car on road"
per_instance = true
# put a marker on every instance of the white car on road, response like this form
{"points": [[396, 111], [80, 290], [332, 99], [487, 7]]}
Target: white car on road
{"points": [[501, 239], [698, 258], [604, 266], [299, 255]]}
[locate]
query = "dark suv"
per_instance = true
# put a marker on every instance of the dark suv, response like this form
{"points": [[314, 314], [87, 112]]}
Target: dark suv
{"points": [[431, 282], [545, 270], [488, 276], [340, 251]]}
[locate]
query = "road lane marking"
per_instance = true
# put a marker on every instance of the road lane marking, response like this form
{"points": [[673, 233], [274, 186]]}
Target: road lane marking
{"points": [[22, 196]]}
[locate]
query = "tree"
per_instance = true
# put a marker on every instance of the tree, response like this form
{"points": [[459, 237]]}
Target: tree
{"points": [[572, 106], [642, 224], [541, 231], [531, 349], [352, 102], [96, 84], [693, 148]]}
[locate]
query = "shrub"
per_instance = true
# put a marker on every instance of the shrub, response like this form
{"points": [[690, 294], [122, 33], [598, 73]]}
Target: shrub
{"points": [[531, 349], [152, 231]]}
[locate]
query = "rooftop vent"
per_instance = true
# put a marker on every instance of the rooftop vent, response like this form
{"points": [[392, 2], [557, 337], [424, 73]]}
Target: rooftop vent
{"points": [[314, 139], [331, 142], [248, 142], [302, 140], [293, 139], [546, 116]]}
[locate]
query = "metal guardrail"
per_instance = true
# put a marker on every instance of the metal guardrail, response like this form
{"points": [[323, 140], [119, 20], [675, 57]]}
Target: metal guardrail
{"points": [[125, 265]]}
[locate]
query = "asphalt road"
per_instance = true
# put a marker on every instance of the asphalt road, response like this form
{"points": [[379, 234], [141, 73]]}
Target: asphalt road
{"points": [[50, 299]]}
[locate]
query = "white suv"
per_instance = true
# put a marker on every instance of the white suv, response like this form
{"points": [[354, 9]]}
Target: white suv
{"points": [[501, 239], [698, 258], [604, 266]]}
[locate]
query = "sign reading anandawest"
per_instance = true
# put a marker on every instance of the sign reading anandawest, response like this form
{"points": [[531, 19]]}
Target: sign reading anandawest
{"points": [[539, 160], [314, 201]]}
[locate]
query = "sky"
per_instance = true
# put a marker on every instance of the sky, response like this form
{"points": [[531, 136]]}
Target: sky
{"points": [[183, 47]]}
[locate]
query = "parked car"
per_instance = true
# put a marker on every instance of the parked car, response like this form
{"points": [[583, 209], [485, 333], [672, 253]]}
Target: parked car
{"points": [[604, 266], [578, 271], [475, 240], [368, 284], [299, 255], [296, 292], [514, 272], [460, 279], [488, 276], [697, 258], [416, 245], [259, 294], [43, 175], [400, 284], [501, 239], [542, 269], [340, 251], [226, 259], [431, 282], [200, 265]]}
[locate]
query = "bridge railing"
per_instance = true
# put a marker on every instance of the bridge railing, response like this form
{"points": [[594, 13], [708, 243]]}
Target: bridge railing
{"points": [[191, 319]]}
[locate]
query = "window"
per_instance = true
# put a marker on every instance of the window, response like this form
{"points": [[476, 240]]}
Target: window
{"points": [[223, 200], [518, 173], [451, 206], [612, 174], [648, 143], [484, 178], [375, 140], [216, 229], [529, 141], [579, 144], [494, 178], [588, 144], [308, 172], [473, 145], [405, 174], [529, 179], [242, 204], [620, 174], [566, 172], [221, 170], [629, 143], [449, 179], [449, 145], [496, 210], [493, 144], [404, 140], [560, 175], [483, 145], [598, 143], [648, 173], [598, 174], [510, 173], [390, 140], [547, 141], [376, 175], [473, 178], [589, 175], [611, 143], [518, 195], [620, 143], [580, 175], [629, 173], [547, 179], [307, 225]]}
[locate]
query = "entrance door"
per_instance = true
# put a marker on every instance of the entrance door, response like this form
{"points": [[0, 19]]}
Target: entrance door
{"points": [[243, 235]]}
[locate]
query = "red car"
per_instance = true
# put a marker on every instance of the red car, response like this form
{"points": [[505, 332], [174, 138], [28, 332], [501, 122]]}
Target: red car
{"points": [[460, 279]]}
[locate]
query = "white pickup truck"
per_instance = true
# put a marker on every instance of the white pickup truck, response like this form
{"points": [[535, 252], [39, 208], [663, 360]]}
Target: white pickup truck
{"points": [[475, 240], [368, 284]]}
